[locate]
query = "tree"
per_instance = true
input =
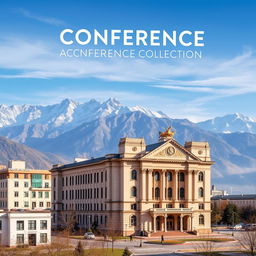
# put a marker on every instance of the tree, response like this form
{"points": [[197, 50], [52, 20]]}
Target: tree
{"points": [[248, 214], [216, 215], [79, 250], [127, 252], [231, 215], [247, 241]]}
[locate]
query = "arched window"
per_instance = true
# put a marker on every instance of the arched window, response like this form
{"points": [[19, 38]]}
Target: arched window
{"points": [[200, 176], [169, 176], [157, 192], [182, 176], [169, 193], [133, 191], [201, 219], [133, 220], [157, 176], [201, 192], [134, 175], [182, 193]]}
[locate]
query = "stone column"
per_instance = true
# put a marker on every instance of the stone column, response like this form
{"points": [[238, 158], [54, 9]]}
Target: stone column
{"points": [[192, 222], [154, 223], [163, 184], [143, 184], [175, 185], [150, 184], [175, 222], [181, 223], [165, 223]]}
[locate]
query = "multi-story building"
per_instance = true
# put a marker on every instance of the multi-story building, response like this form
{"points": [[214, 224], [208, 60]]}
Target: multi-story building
{"points": [[159, 187], [22, 188], [25, 227]]}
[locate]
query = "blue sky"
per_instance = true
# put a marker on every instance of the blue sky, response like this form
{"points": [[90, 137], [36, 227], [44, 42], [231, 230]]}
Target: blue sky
{"points": [[31, 72]]}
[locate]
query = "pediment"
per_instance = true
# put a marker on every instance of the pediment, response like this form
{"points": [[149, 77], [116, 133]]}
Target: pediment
{"points": [[170, 150]]}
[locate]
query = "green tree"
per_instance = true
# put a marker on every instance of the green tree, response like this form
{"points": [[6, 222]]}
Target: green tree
{"points": [[248, 214], [231, 215]]}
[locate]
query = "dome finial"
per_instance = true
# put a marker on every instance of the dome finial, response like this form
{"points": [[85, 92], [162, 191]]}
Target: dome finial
{"points": [[166, 135]]}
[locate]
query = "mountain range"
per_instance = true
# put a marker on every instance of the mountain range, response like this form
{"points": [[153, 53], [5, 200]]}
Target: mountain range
{"points": [[71, 129]]}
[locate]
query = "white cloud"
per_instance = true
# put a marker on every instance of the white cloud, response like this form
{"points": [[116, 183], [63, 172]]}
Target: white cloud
{"points": [[47, 20]]}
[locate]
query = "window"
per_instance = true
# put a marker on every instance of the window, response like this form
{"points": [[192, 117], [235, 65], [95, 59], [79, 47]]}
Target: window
{"points": [[157, 193], [182, 206], [16, 204], [134, 175], [169, 176], [26, 184], [16, 184], [36, 181], [41, 204], [43, 224], [43, 238], [201, 219], [156, 205], [169, 193], [26, 194], [182, 176], [16, 175], [0, 224], [20, 239], [33, 194], [16, 194], [32, 225], [168, 205], [40, 194], [46, 184], [47, 176], [133, 220], [133, 206], [200, 176], [201, 206], [201, 192], [26, 204], [157, 176], [46, 194], [20, 225], [25, 176], [182, 193], [48, 205], [133, 191]]}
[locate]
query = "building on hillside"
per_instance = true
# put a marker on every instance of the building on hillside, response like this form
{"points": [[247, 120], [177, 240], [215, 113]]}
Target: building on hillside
{"points": [[215, 192], [28, 227], [143, 188], [221, 201], [22, 188]]}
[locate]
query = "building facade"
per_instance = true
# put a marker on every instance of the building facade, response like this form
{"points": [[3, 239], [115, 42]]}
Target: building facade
{"points": [[159, 187], [25, 227], [22, 188]]}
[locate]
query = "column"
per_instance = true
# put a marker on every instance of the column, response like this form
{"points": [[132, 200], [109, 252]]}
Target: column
{"points": [[175, 185], [189, 186], [181, 223], [192, 223], [165, 223], [163, 184], [195, 185], [150, 184], [175, 222], [154, 223], [143, 184]]}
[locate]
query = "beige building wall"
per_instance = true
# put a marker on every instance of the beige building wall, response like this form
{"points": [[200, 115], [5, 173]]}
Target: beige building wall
{"points": [[143, 203]]}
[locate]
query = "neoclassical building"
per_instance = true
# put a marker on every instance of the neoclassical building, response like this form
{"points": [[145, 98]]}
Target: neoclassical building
{"points": [[159, 187]]}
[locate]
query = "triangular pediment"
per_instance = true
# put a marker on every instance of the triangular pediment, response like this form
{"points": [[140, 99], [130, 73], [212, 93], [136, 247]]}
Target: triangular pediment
{"points": [[170, 150]]}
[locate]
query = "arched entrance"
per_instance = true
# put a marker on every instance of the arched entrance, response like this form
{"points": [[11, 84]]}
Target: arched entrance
{"points": [[170, 223]]}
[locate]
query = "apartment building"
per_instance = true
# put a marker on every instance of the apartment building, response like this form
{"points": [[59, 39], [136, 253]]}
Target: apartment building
{"points": [[22, 188], [143, 188]]}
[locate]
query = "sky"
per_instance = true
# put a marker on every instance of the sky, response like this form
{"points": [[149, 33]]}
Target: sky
{"points": [[222, 82]]}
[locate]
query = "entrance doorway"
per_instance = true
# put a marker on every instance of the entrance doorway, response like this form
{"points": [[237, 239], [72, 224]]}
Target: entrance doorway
{"points": [[158, 223], [32, 239], [170, 223]]}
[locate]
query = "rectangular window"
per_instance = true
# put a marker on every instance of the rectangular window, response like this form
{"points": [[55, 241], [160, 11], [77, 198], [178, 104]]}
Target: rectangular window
{"points": [[40, 194], [25, 176], [16, 194], [46, 194], [182, 206], [32, 225], [43, 238], [133, 206], [36, 180], [20, 239], [16, 175], [26, 184], [16, 184], [43, 224], [33, 194], [48, 205], [20, 225], [168, 205], [41, 204], [16, 204], [156, 206], [201, 206], [26, 194], [46, 184], [26, 204]]}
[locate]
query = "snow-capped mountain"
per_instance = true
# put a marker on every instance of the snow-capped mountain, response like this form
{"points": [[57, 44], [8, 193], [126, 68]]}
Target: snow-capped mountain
{"points": [[230, 123], [37, 121]]}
